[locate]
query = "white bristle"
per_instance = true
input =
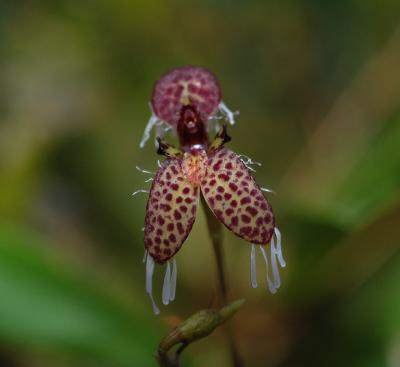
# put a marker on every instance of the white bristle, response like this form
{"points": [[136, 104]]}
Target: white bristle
{"points": [[253, 270], [153, 120], [227, 112], [144, 170], [270, 284], [274, 265], [281, 260], [166, 291], [149, 282], [173, 280], [140, 191]]}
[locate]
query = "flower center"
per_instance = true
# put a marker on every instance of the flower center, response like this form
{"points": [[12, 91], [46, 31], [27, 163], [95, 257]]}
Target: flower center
{"points": [[194, 166], [191, 130]]}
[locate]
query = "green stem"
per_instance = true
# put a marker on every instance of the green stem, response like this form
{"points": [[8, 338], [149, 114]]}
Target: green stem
{"points": [[215, 231], [216, 234], [196, 327]]}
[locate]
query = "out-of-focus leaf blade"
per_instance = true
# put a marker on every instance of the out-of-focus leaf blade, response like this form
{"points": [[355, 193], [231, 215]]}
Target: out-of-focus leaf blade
{"points": [[371, 187], [373, 182], [43, 304]]}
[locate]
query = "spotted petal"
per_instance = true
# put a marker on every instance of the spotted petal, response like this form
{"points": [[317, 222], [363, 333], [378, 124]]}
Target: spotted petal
{"points": [[170, 212], [236, 199], [183, 86]]}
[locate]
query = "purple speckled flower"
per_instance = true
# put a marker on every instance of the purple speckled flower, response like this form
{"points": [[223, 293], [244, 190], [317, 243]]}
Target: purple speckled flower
{"points": [[186, 99]]}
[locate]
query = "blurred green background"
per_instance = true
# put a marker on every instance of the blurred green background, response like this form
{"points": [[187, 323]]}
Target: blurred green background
{"points": [[317, 84]]}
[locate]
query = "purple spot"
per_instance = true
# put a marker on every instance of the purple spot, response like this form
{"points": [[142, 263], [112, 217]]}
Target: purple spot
{"points": [[245, 230], [229, 211], [233, 186], [217, 165], [234, 221], [165, 207], [180, 228], [252, 211], [245, 200]]}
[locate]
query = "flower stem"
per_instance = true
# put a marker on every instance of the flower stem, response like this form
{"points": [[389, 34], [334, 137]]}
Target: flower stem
{"points": [[196, 327], [215, 230], [216, 235]]}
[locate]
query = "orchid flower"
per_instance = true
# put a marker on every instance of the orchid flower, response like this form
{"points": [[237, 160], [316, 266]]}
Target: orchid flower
{"points": [[182, 86], [200, 167]]}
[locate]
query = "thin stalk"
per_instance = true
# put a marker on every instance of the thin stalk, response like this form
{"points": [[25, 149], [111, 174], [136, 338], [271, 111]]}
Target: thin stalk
{"points": [[215, 230], [196, 327]]}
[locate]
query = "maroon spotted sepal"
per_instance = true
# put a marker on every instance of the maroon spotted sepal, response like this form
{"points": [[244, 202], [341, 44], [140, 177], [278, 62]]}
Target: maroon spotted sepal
{"points": [[235, 198], [171, 211]]}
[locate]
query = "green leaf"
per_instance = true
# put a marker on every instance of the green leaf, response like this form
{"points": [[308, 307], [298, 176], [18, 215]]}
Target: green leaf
{"points": [[44, 304], [374, 182]]}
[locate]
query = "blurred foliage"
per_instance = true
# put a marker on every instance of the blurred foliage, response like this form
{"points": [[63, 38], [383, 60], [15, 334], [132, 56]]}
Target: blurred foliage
{"points": [[317, 84], [44, 304]]}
